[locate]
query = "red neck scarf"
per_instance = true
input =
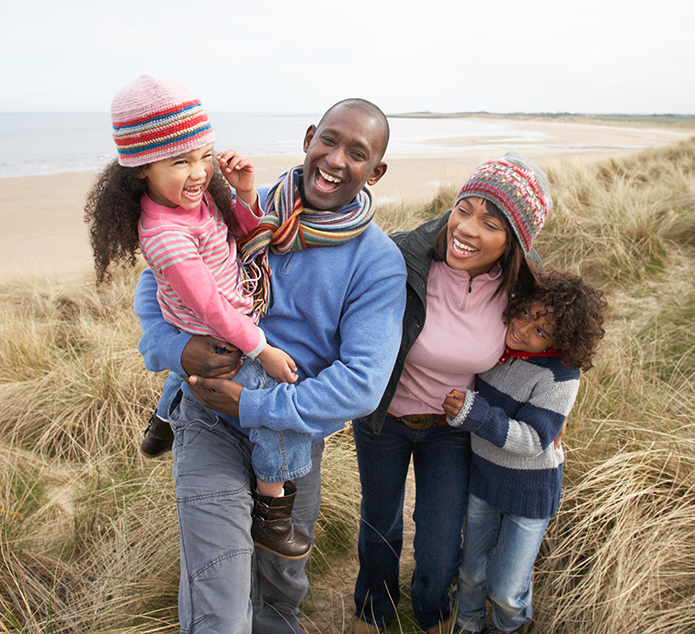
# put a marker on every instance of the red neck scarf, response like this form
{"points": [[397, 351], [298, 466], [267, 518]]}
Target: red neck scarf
{"points": [[520, 354]]}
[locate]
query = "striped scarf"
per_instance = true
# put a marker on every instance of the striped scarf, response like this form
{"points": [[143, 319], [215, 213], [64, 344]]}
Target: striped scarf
{"points": [[289, 226]]}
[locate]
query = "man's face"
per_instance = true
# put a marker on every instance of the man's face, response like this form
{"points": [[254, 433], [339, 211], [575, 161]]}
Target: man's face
{"points": [[342, 156]]}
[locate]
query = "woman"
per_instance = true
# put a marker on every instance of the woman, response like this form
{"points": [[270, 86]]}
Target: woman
{"points": [[461, 268]]}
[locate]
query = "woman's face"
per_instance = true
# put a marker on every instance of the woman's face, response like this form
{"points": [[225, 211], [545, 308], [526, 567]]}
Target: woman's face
{"points": [[476, 239]]}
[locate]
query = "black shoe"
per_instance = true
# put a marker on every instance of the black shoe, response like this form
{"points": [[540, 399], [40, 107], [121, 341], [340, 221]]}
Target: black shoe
{"points": [[272, 527], [158, 437]]}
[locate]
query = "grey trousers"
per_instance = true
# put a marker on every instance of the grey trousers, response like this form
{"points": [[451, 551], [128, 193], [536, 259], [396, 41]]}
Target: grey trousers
{"points": [[228, 587]]}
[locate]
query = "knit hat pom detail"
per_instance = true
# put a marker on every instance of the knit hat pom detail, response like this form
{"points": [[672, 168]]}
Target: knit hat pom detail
{"points": [[156, 117], [518, 188]]}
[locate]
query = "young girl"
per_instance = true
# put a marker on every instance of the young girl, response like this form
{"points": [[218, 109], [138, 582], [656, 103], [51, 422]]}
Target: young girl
{"points": [[164, 197], [515, 415]]}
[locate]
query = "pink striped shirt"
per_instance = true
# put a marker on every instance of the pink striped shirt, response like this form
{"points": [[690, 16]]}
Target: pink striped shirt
{"points": [[194, 260]]}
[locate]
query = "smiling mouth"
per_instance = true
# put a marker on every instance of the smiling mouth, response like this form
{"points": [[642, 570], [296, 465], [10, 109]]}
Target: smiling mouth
{"points": [[462, 249], [515, 338], [193, 192], [325, 182]]}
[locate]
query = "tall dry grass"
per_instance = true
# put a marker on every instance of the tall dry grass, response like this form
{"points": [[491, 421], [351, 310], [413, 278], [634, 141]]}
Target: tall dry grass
{"points": [[88, 535]]}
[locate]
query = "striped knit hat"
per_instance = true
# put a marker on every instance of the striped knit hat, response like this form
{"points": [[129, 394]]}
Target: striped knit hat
{"points": [[156, 117], [518, 188]]}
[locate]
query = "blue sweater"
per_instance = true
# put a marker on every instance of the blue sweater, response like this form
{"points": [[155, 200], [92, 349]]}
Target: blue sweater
{"points": [[515, 416], [337, 311]]}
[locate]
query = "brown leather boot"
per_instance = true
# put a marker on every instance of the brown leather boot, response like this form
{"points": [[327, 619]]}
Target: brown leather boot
{"points": [[158, 437], [272, 527]]}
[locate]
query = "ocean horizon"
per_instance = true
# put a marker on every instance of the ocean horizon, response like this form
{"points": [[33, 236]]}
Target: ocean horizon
{"points": [[54, 143]]}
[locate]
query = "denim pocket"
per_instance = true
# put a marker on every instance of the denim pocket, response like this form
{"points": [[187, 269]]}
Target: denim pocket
{"points": [[188, 417]]}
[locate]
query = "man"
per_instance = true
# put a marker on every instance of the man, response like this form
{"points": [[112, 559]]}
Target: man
{"points": [[336, 310]]}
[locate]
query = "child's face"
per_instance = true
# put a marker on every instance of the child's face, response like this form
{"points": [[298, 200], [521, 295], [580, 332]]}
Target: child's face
{"points": [[180, 181], [533, 330], [342, 156], [475, 238]]}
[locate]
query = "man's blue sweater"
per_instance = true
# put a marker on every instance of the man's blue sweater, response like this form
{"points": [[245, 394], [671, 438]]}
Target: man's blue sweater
{"points": [[337, 311]]}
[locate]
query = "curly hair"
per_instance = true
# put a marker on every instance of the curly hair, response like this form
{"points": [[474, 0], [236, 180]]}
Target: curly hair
{"points": [[517, 271], [112, 212], [577, 315]]}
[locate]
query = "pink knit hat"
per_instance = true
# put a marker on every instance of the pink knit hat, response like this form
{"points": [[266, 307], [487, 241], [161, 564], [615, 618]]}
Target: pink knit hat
{"points": [[156, 117]]}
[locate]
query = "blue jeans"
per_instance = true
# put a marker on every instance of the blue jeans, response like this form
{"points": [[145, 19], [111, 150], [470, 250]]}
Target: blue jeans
{"points": [[441, 457], [499, 550], [225, 586], [277, 456]]}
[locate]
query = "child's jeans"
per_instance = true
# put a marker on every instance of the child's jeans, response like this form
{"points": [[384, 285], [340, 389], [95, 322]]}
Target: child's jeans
{"points": [[499, 550], [277, 456]]}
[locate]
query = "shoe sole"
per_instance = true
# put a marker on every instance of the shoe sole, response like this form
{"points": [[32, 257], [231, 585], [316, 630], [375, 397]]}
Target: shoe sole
{"points": [[276, 553]]}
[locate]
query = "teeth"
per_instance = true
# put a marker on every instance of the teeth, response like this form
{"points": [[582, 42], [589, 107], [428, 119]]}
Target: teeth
{"points": [[329, 178], [459, 246]]}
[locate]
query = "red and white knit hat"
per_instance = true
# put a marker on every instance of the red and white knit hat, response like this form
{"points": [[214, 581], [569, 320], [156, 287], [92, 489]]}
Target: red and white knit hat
{"points": [[156, 117], [518, 188]]}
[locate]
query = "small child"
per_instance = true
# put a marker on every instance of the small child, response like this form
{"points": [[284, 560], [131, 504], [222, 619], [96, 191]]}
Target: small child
{"points": [[517, 412], [164, 197]]}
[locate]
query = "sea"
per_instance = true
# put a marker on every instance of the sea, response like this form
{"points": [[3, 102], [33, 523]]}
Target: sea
{"points": [[54, 143]]}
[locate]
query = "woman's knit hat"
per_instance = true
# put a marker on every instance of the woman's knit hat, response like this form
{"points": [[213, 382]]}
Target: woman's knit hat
{"points": [[518, 188], [156, 117]]}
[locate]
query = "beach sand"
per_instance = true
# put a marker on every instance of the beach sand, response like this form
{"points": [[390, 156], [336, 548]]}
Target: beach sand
{"points": [[43, 232]]}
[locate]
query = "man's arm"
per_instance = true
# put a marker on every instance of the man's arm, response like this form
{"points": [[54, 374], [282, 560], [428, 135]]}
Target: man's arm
{"points": [[352, 386]]}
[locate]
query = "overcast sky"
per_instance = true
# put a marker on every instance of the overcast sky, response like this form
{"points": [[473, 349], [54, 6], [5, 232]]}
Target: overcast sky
{"points": [[584, 56]]}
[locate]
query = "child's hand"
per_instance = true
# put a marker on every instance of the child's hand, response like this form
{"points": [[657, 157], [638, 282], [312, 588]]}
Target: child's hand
{"points": [[278, 364], [239, 173], [453, 403]]}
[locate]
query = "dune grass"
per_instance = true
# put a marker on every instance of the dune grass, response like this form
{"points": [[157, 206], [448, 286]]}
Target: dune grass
{"points": [[88, 534]]}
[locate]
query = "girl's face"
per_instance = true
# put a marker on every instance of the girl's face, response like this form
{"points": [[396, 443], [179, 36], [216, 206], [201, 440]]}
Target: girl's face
{"points": [[476, 239], [180, 181], [533, 330]]}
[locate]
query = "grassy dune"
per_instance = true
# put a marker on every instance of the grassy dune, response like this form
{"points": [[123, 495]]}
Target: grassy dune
{"points": [[88, 535]]}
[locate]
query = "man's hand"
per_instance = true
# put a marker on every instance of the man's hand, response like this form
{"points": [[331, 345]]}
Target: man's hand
{"points": [[220, 395], [200, 357]]}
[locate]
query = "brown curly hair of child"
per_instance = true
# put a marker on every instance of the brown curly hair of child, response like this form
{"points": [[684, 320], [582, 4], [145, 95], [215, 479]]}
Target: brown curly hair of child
{"points": [[112, 212], [577, 314]]}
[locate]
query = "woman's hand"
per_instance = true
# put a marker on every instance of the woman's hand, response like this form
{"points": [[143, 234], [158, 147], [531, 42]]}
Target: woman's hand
{"points": [[219, 395], [201, 357], [561, 434]]}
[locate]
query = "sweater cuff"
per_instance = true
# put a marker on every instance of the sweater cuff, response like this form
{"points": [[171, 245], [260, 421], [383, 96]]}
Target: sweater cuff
{"points": [[458, 420], [473, 414], [259, 348]]}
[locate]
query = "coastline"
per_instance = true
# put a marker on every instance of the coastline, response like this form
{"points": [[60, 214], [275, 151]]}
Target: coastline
{"points": [[42, 216]]}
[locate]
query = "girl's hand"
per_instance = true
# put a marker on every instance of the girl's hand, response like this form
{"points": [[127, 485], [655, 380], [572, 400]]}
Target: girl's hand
{"points": [[453, 403], [239, 173], [278, 364]]}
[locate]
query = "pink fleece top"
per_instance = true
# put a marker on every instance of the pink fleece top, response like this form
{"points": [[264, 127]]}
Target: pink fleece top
{"points": [[194, 260], [463, 335]]}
